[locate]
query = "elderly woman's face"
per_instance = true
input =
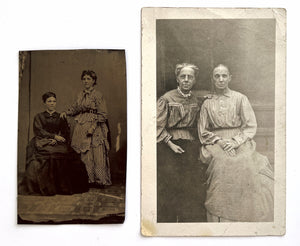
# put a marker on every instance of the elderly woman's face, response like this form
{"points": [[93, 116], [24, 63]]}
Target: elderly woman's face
{"points": [[221, 78], [50, 103], [88, 81], [186, 79]]}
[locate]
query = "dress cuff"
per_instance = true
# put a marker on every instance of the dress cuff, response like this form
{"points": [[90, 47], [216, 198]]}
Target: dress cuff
{"points": [[240, 139], [167, 139], [216, 139]]}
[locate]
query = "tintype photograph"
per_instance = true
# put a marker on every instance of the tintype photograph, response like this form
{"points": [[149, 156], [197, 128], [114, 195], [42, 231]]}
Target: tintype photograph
{"points": [[213, 122], [72, 137]]}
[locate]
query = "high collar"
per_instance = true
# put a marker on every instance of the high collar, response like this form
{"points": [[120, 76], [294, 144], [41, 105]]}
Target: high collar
{"points": [[188, 95], [226, 93], [48, 114], [88, 91], [51, 113]]}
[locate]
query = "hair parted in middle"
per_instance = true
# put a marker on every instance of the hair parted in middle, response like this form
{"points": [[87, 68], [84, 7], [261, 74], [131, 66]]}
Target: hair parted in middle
{"points": [[189, 65], [91, 73], [48, 94], [220, 65]]}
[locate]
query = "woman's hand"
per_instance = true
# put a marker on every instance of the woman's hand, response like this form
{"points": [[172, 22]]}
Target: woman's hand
{"points": [[63, 115], [177, 149], [228, 145], [53, 142], [59, 139]]}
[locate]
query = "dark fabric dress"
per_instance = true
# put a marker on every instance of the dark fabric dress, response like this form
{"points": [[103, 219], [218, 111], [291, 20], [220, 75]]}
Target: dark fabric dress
{"points": [[180, 177], [52, 169]]}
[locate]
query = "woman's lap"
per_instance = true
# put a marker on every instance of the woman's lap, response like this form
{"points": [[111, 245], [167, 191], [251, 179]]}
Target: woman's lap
{"points": [[238, 187], [54, 174], [180, 184]]}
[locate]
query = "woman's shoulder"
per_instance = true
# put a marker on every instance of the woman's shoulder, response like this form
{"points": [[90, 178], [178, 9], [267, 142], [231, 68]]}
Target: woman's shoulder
{"points": [[45, 114], [97, 94], [236, 93], [40, 115], [169, 95]]}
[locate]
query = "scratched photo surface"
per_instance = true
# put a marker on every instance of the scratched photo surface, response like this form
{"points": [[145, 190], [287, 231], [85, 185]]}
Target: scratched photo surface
{"points": [[72, 137], [214, 77]]}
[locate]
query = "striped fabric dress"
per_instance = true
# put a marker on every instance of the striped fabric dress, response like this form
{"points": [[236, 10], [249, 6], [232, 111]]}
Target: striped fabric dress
{"points": [[240, 187]]}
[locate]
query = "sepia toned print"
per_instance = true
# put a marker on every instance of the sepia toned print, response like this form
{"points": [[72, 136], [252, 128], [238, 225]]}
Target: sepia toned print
{"points": [[212, 78], [72, 137]]}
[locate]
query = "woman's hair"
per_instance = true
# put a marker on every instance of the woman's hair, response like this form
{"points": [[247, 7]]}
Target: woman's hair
{"points": [[220, 65], [47, 95], [91, 73], [183, 65]]}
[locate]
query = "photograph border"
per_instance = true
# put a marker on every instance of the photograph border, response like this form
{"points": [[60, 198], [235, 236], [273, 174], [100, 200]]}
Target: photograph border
{"points": [[149, 225]]}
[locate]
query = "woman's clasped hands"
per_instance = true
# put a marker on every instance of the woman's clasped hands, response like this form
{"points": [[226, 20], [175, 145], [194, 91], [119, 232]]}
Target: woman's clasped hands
{"points": [[60, 139], [57, 138]]}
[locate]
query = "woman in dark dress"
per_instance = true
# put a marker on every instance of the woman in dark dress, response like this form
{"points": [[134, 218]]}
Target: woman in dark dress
{"points": [[179, 174], [51, 165]]}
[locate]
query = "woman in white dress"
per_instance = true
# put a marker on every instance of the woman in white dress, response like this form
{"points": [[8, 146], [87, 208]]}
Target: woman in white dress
{"points": [[239, 180]]}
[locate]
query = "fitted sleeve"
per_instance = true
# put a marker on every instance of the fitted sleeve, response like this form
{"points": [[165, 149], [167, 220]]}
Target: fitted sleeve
{"points": [[162, 118], [64, 128], [205, 136], [101, 108], [73, 109], [249, 125], [38, 128]]}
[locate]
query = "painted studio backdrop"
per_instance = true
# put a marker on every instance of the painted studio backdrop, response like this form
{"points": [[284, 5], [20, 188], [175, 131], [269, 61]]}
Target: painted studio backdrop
{"points": [[60, 72]]}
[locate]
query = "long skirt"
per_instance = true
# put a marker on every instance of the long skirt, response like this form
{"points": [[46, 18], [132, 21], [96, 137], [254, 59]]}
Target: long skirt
{"points": [[52, 170], [239, 188], [94, 151], [180, 184]]}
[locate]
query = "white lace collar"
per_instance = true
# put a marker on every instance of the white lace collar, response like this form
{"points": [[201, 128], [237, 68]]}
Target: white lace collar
{"points": [[183, 94]]}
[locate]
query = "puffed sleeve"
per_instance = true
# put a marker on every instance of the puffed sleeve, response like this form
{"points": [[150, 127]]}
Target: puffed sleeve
{"points": [[101, 108], [162, 118], [38, 128], [205, 136], [249, 124]]}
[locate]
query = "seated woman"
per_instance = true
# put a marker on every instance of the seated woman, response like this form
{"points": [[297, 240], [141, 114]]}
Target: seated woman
{"points": [[239, 179], [179, 175], [51, 165]]}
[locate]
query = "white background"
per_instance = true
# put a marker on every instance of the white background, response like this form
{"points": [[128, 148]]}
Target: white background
{"points": [[116, 24]]}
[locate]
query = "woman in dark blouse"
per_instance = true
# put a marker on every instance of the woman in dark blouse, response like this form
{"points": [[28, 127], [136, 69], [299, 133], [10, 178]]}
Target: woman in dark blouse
{"points": [[179, 175], [51, 165]]}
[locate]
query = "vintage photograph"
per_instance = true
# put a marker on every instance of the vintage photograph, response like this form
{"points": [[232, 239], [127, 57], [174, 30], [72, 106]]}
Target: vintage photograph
{"points": [[72, 137], [215, 80]]}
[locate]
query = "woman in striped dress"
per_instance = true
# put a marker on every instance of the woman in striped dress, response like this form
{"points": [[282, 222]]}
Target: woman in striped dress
{"points": [[239, 179]]}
